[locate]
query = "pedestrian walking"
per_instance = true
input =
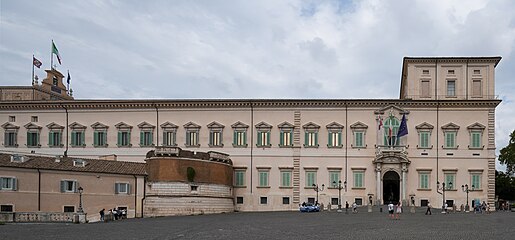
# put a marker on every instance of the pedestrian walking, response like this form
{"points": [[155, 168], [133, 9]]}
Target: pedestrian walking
{"points": [[390, 210], [102, 213], [398, 211], [354, 208], [428, 211], [346, 207]]}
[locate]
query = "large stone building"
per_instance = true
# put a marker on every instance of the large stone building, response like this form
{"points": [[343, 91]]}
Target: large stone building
{"points": [[281, 148]]}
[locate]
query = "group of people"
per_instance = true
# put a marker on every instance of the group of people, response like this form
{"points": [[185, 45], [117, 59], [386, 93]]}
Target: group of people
{"points": [[116, 213], [395, 211]]}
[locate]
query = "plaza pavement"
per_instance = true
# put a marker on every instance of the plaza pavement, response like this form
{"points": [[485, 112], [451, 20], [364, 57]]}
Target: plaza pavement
{"points": [[281, 225]]}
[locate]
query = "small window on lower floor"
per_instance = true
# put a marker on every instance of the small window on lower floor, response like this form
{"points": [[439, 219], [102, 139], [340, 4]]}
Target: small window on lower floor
{"points": [[358, 201], [311, 200], [239, 200], [194, 188], [263, 200], [450, 203], [122, 188], [69, 208], [286, 200], [424, 202], [334, 201], [6, 208]]}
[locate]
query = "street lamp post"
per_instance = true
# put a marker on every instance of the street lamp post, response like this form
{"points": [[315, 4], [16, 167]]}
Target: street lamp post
{"points": [[444, 210], [466, 189], [340, 187], [80, 210], [317, 189]]}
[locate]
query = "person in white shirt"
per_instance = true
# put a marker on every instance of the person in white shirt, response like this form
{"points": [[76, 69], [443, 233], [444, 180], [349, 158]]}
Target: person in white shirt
{"points": [[390, 210]]}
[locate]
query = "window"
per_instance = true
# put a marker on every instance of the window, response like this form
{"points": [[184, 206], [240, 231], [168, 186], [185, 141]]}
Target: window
{"points": [[11, 139], [358, 201], [476, 88], [78, 138], [311, 178], [311, 135], [69, 208], [391, 128], [239, 134], [450, 178], [68, 186], [475, 179], [239, 200], [286, 200], [146, 138], [192, 134], [423, 180], [239, 178], [451, 88], [194, 188], [285, 178], [334, 139], [54, 81], [122, 188], [8, 183], [263, 200], [12, 118], [169, 138], [450, 140], [424, 202], [425, 71], [6, 208], [358, 139], [34, 118], [79, 163], [358, 179], [358, 134], [334, 201], [475, 141], [311, 200], [100, 138], [450, 71], [216, 134], [54, 138], [263, 178], [334, 178], [477, 71], [424, 139], [124, 139], [285, 134], [425, 89], [263, 134], [33, 139]]}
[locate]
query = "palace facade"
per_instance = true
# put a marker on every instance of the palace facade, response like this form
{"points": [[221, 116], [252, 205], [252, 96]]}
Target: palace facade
{"points": [[286, 152]]}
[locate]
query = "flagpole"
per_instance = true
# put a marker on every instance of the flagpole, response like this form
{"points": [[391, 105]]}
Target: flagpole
{"points": [[33, 69]]}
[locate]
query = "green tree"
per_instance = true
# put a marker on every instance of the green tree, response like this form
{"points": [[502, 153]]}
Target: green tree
{"points": [[507, 155], [504, 186]]}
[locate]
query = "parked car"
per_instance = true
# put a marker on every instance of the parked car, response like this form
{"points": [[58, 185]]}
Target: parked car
{"points": [[309, 207]]}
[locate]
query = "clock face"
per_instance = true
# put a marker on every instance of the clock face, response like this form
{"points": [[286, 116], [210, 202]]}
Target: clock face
{"points": [[55, 81]]}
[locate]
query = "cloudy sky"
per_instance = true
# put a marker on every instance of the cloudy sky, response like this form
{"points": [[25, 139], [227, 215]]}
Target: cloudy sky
{"points": [[253, 49]]}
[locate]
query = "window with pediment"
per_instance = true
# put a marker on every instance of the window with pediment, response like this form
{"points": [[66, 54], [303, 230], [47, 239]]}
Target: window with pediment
{"points": [[10, 134], [192, 134], [450, 133], [55, 135], [78, 135], [263, 131], [169, 134], [285, 134], [334, 135], [476, 134], [146, 134], [424, 135], [311, 135], [124, 134], [33, 135], [239, 134], [99, 134], [215, 134], [359, 131]]}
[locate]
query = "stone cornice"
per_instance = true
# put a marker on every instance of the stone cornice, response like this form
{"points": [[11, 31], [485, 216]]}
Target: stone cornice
{"points": [[222, 103]]}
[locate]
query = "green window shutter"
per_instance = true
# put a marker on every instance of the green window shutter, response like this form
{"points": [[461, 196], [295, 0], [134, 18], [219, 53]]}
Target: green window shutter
{"points": [[116, 188], [151, 138], [105, 138], [339, 138], [74, 135], [316, 139], [259, 138], [281, 138], [235, 138], [15, 184], [141, 138], [128, 138], [211, 133], [306, 139], [95, 138], [63, 186], [83, 138], [268, 133], [245, 138], [330, 139], [51, 138], [29, 139], [119, 143]]}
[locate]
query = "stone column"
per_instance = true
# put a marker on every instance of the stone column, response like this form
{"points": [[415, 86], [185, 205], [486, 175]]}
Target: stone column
{"points": [[378, 184], [403, 187]]}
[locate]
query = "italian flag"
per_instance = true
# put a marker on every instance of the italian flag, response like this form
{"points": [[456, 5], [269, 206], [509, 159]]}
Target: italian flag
{"points": [[56, 52]]}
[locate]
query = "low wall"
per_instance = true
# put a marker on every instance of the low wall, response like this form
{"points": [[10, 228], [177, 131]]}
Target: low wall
{"points": [[36, 217]]}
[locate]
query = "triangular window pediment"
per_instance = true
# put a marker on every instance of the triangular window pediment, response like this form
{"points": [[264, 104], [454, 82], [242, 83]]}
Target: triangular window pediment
{"points": [[239, 124], [476, 126], [263, 125], [450, 126], [358, 125], [32, 126], [311, 125], [99, 125], [215, 124], [191, 125], [168, 125], [54, 125], [76, 125], [285, 125], [424, 125], [8, 125], [146, 125], [334, 125], [391, 108], [123, 126]]}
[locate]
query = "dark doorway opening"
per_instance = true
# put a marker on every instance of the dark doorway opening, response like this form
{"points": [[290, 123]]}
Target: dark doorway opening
{"points": [[391, 187]]}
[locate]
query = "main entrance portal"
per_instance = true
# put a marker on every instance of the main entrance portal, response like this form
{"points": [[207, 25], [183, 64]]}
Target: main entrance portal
{"points": [[391, 187]]}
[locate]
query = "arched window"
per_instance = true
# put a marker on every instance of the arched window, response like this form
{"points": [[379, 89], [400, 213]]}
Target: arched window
{"points": [[391, 128]]}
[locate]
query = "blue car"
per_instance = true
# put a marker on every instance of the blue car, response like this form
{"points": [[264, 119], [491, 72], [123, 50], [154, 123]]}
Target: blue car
{"points": [[309, 207]]}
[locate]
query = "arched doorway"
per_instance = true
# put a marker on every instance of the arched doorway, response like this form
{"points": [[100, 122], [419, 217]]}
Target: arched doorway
{"points": [[391, 187]]}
